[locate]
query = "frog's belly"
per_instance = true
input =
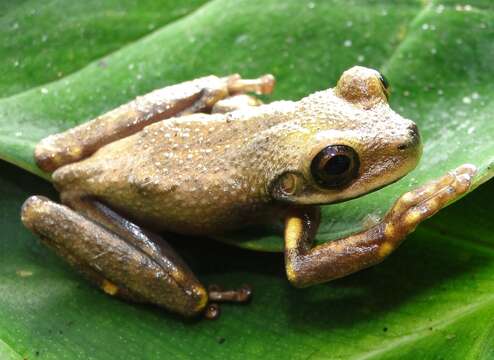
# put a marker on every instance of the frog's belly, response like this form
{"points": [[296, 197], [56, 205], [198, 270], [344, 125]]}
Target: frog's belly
{"points": [[204, 218], [201, 206]]}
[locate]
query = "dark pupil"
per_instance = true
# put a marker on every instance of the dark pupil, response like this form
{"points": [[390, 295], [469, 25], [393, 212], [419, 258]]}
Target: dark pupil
{"points": [[384, 81], [337, 165]]}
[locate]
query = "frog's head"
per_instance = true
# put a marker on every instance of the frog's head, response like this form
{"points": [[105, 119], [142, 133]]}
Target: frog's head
{"points": [[344, 142]]}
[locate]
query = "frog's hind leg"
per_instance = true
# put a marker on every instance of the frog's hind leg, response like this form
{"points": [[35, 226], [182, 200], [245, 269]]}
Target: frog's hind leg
{"points": [[198, 95], [120, 257], [133, 267]]}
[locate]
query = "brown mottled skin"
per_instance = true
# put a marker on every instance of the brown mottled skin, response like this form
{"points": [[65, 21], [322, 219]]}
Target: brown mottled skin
{"points": [[202, 158]]}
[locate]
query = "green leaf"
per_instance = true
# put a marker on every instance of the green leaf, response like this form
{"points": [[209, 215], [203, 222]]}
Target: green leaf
{"points": [[38, 45], [7, 353], [431, 299]]}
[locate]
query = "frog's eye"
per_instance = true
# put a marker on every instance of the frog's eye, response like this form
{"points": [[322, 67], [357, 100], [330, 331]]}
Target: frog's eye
{"points": [[384, 81], [385, 84], [335, 166]]}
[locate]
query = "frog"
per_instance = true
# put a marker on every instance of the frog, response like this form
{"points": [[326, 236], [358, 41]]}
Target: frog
{"points": [[206, 157]]}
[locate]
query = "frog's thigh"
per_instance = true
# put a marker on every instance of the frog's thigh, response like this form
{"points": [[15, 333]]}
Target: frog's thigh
{"points": [[307, 265], [81, 141], [140, 269], [189, 97]]}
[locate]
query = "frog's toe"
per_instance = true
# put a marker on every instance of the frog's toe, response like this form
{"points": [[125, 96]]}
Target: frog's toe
{"points": [[420, 204], [34, 211], [463, 176], [467, 169], [240, 295], [262, 85], [212, 311], [217, 294], [422, 201]]}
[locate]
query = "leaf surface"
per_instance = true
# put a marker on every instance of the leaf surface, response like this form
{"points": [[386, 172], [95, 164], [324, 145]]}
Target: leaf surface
{"points": [[433, 298]]}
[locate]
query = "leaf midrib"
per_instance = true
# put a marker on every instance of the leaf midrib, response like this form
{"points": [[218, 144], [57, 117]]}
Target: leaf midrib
{"points": [[447, 320], [4, 345], [421, 13]]}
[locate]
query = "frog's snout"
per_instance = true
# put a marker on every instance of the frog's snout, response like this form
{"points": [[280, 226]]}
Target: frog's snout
{"points": [[413, 139]]}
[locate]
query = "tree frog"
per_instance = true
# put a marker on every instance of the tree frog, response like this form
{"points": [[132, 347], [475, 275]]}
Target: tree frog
{"points": [[205, 157]]}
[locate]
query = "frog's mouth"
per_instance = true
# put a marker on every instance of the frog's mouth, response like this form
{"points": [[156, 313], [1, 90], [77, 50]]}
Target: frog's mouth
{"points": [[363, 193], [294, 189], [376, 175]]}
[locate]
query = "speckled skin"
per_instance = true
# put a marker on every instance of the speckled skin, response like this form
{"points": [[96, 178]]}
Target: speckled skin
{"points": [[219, 169], [201, 158]]}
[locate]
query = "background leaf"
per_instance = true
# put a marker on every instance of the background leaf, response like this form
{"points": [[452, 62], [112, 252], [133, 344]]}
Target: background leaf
{"points": [[431, 299], [41, 44]]}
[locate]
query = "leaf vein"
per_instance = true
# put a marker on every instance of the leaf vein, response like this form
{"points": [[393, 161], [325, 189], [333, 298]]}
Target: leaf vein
{"points": [[449, 319]]}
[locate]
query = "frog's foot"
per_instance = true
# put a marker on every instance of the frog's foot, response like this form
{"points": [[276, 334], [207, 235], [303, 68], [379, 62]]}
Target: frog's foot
{"points": [[216, 294], [261, 85], [241, 295], [235, 102], [417, 205], [307, 265]]}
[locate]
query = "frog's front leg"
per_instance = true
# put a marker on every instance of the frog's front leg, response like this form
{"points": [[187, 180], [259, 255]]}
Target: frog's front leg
{"points": [[307, 265], [198, 95], [120, 257]]}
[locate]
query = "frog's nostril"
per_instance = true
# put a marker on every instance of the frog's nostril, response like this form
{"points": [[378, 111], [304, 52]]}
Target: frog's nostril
{"points": [[414, 130], [413, 138], [402, 146], [414, 134]]}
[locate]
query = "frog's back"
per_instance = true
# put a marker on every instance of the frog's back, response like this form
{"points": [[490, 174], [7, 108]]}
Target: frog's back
{"points": [[176, 169]]}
